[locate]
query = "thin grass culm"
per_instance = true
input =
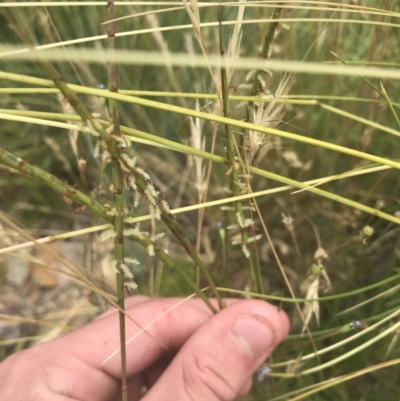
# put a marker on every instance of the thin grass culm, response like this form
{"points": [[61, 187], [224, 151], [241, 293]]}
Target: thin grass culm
{"points": [[122, 270], [246, 225], [239, 149]]}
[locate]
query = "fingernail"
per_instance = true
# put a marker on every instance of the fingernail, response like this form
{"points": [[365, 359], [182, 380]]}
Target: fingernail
{"points": [[254, 334]]}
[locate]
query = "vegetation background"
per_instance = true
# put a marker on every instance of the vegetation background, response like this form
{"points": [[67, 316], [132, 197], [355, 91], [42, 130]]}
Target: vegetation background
{"points": [[329, 257]]}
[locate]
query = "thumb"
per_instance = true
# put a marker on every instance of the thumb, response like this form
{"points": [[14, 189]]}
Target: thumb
{"points": [[217, 361]]}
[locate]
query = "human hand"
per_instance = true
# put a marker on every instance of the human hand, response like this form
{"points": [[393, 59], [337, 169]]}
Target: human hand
{"points": [[212, 358]]}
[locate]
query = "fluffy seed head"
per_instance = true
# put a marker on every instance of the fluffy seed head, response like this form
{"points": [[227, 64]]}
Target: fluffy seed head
{"points": [[107, 234], [131, 261]]}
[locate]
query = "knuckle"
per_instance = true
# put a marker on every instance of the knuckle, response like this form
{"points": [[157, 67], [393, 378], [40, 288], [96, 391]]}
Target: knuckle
{"points": [[204, 376]]}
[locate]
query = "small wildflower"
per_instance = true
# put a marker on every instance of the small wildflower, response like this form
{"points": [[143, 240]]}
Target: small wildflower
{"points": [[368, 231], [355, 324], [316, 269], [262, 372]]}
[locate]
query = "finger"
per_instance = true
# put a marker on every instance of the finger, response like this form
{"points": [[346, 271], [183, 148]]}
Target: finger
{"points": [[154, 372], [218, 360], [139, 384], [72, 365], [168, 324], [246, 388]]}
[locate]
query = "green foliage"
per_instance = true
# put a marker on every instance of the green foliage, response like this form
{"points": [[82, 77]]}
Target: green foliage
{"points": [[351, 248]]}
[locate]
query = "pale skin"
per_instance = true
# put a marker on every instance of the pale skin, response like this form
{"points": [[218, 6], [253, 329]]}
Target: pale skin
{"points": [[209, 357]]}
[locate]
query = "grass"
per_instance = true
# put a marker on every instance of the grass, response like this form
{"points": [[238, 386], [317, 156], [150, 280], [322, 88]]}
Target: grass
{"points": [[319, 182]]}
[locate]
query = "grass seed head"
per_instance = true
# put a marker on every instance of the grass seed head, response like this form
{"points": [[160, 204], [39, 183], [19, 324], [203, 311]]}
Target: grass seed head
{"points": [[136, 199], [126, 271], [165, 206], [312, 305], [320, 254], [287, 220], [130, 286], [246, 251], [131, 261], [107, 234], [150, 250]]}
